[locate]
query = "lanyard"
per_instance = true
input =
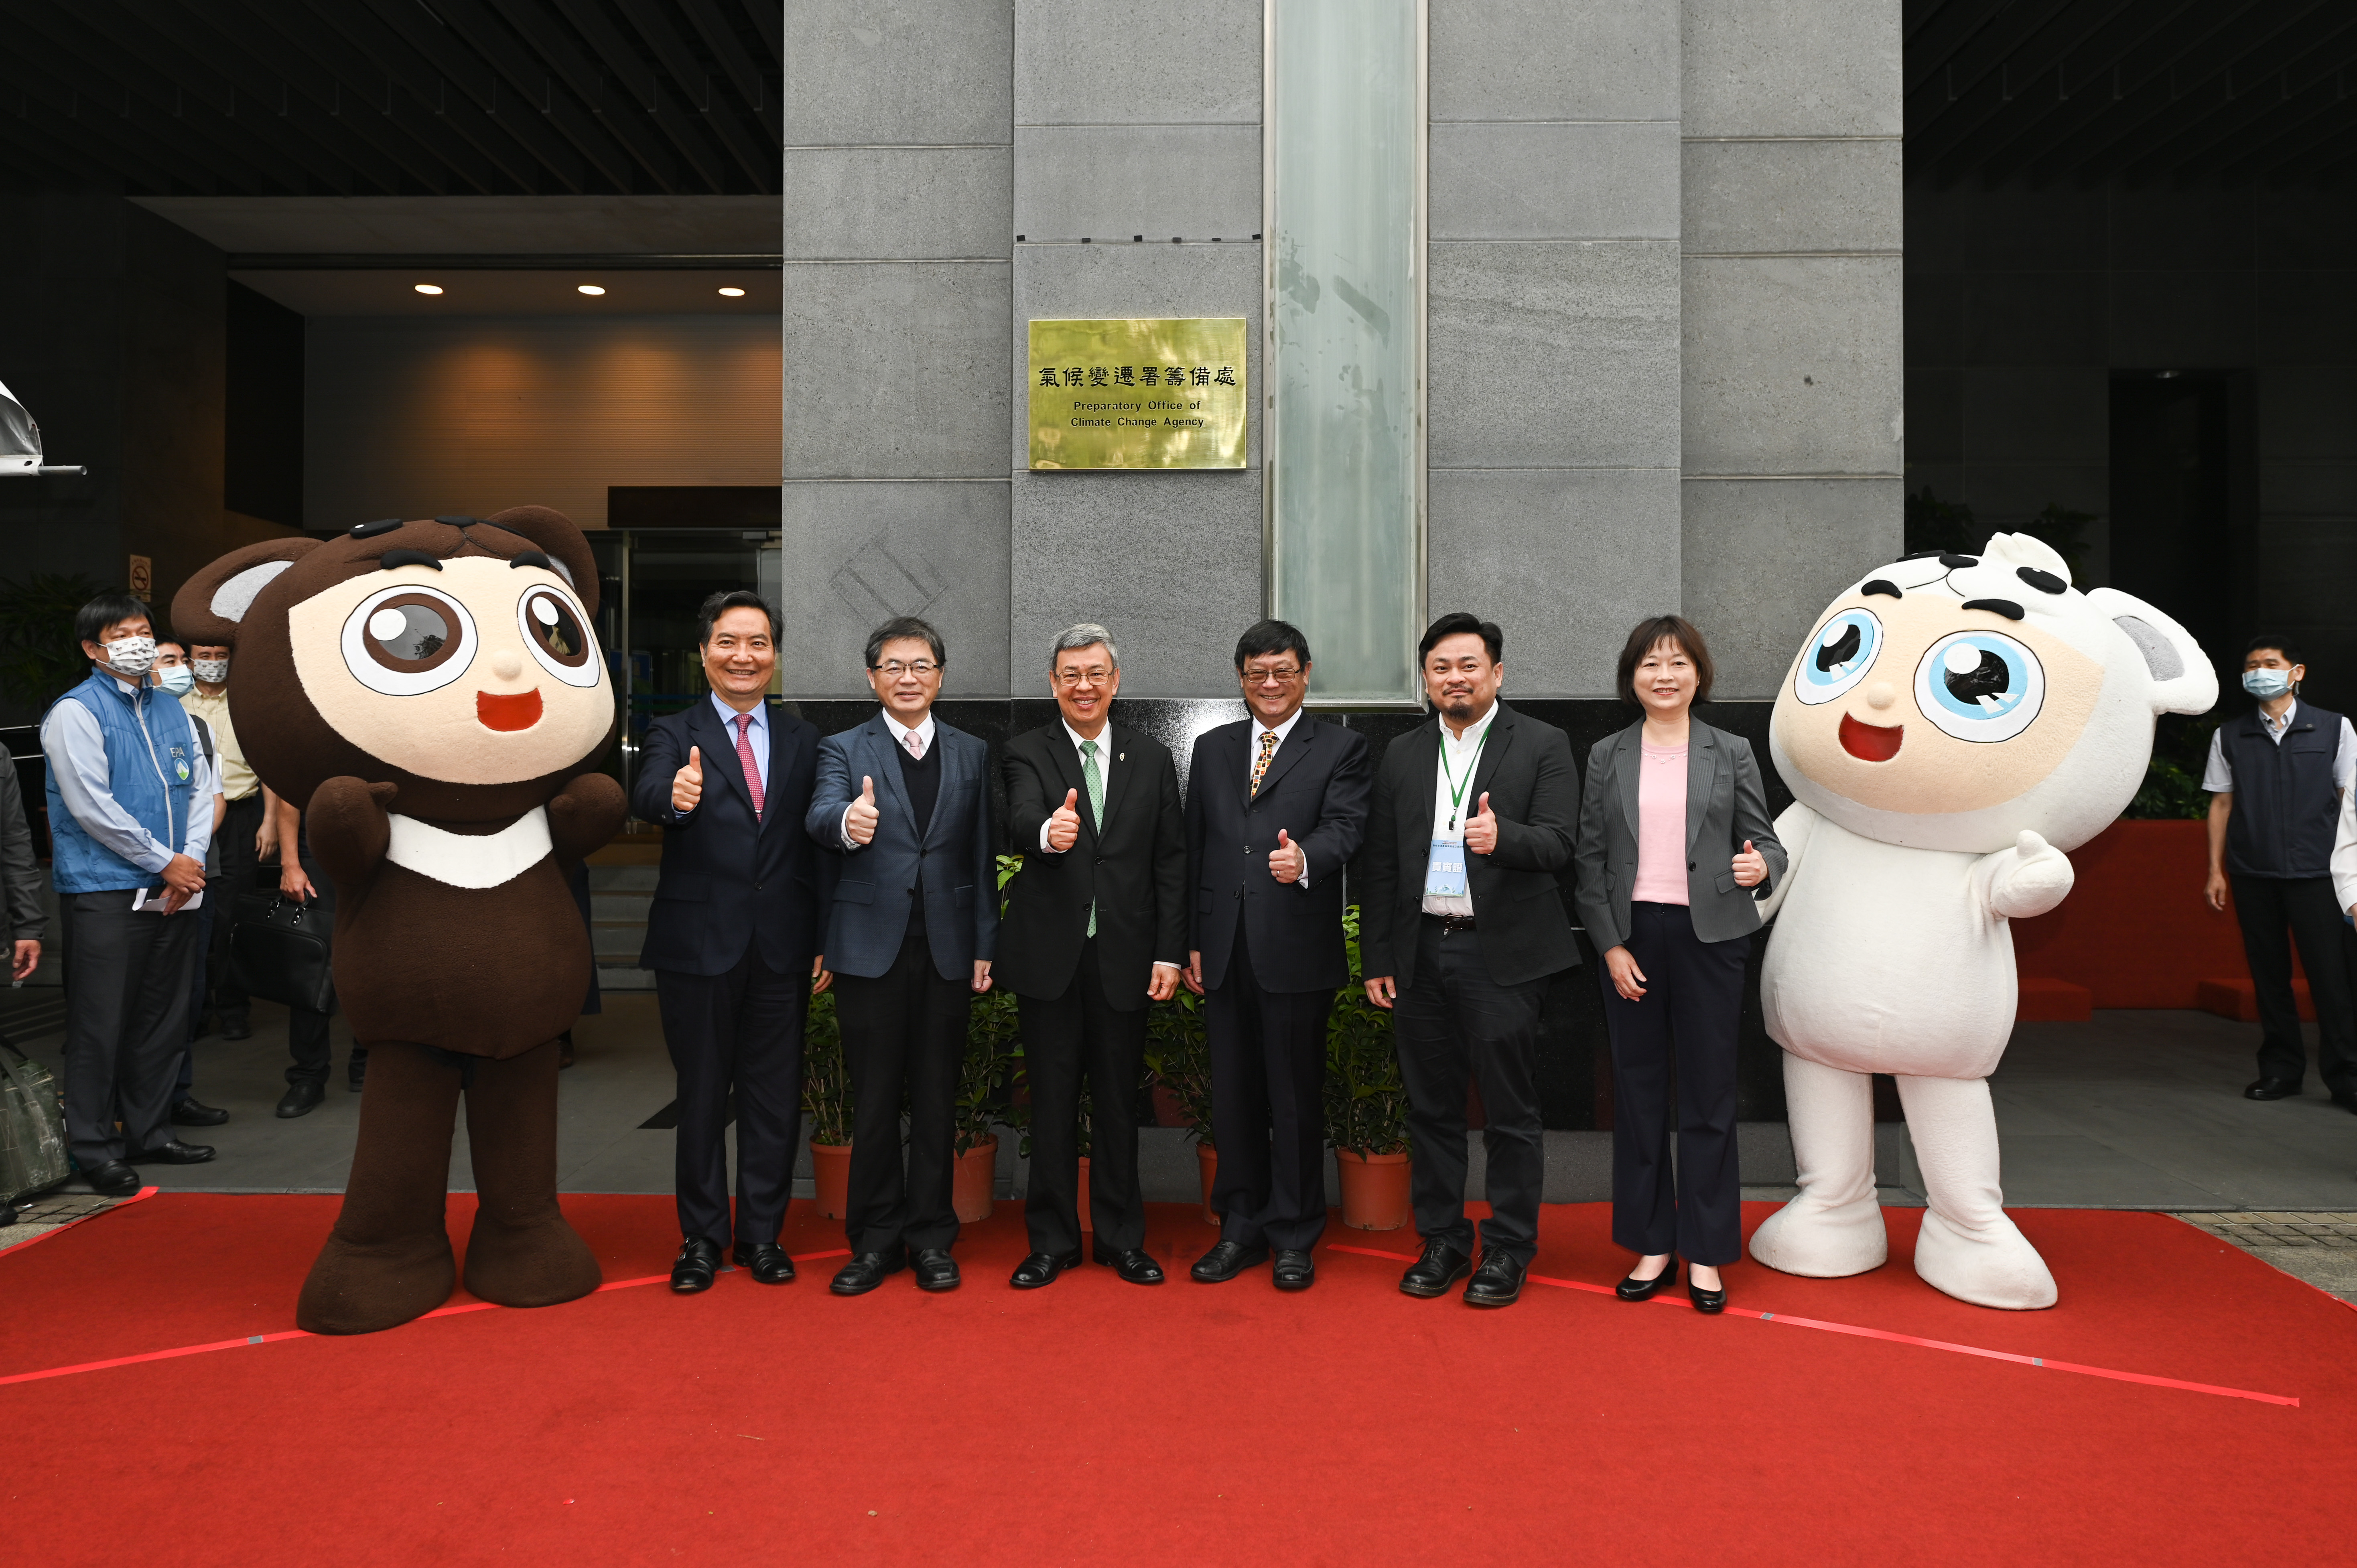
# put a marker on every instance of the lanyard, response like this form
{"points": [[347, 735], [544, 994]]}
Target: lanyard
{"points": [[1456, 791]]}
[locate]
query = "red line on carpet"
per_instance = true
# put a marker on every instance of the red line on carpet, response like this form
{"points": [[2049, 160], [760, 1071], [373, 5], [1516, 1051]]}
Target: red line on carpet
{"points": [[55, 1229], [452, 1310], [1885, 1334]]}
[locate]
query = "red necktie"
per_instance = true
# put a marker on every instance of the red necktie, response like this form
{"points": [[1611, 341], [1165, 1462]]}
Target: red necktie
{"points": [[744, 760]]}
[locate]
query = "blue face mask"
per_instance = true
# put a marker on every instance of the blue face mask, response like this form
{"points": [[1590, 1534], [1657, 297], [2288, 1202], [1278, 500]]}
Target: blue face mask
{"points": [[2265, 684], [178, 680]]}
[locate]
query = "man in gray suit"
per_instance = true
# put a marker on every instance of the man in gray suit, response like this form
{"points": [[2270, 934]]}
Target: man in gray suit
{"points": [[904, 799]]}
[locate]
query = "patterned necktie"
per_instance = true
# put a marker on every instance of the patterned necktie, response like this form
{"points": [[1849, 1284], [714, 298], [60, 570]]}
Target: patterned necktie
{"points": [[1094, 779], [916, 744], [744, 760], [1260, 763]]}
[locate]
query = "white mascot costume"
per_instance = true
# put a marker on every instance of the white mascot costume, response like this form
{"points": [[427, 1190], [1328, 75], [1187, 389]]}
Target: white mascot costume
{"points": [[1953, 724]]}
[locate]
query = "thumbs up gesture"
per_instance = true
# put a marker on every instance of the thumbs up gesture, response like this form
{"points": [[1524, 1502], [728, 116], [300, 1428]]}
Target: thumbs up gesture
{"points": [[687, 784], [1750, 867], [1288, 862], [1064, 823], [859, 821], [1481, 829]]}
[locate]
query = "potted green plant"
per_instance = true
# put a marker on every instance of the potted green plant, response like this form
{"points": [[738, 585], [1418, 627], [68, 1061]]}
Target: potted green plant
{"points": [[1179, 1055], [1366, 1105], [826, 1107]]}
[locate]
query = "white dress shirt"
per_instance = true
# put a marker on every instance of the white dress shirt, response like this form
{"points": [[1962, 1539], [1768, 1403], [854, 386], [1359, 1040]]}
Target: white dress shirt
{"points": [[900, 734], [1104, 772], [2218, 774], [2344, 853], [75, 749], [1459, 756]]}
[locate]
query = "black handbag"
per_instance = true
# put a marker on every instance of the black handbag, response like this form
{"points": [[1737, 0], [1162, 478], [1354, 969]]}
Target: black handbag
{"points": [[279, 949]]}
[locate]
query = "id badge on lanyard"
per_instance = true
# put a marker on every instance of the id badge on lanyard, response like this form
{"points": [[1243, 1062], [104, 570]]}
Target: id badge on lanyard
{"points": [[1443, 873]]}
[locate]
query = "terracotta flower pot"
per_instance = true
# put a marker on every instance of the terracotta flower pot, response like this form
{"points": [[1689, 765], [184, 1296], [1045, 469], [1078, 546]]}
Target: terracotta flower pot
{"points": [[1083, 1206], [1207, 1159], [831, 1174], [970, 1185], [1374, 1190]]}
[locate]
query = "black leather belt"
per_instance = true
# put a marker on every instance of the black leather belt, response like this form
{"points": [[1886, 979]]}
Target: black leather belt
{"points": [[1453, 922]]}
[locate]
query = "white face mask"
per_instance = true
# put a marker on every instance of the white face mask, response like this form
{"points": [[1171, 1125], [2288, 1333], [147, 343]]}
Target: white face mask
{"points": [[132, 656], [212, 671]]}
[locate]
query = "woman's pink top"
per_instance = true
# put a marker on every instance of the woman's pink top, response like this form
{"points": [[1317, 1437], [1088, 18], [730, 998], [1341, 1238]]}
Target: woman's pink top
{"points": [[1661, 825]]}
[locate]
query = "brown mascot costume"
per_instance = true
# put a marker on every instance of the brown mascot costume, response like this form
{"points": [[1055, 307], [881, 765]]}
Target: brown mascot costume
{"points": [[433, 692]]}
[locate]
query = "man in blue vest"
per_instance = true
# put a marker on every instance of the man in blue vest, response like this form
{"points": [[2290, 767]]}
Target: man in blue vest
{"points": [[130, 795], [2275, 778]]}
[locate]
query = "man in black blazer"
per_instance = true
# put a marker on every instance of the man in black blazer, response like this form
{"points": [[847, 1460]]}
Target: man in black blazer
{"points": [[733, 938], [1461, 922], [1095, 926], [1275, 808]]}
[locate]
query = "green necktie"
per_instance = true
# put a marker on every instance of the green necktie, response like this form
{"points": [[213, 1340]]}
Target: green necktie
{"points": [[1092, 777]]}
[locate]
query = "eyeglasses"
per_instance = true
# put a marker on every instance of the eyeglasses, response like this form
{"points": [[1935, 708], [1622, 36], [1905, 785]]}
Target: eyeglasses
{"points": [[1282, 672], [1083, 677], [895, 670]]}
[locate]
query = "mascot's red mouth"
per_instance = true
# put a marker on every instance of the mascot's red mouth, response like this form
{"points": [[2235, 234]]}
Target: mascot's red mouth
{"points": [[521, 710], [1869, 742]]}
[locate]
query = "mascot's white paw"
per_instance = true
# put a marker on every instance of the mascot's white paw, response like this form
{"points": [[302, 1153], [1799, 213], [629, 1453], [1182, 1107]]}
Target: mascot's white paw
{"points": [[1994, 1267], [1806, 1236]]}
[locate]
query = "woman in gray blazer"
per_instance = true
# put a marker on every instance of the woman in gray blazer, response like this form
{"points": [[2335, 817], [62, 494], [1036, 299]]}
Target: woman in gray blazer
{"points": [[1674, 847]]}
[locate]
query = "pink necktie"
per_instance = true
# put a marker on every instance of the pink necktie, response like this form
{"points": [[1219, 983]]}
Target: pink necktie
{"points": [[916, 744], [744, 760]]}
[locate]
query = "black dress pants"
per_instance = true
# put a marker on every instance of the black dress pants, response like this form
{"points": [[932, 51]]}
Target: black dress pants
{"points": [[1689, 1014], [741, 1031], [1268, 1110], [2266, 906], [1450, 1020], [238, 864], [1077, 1036], [126, 1022], [904, 1039]]}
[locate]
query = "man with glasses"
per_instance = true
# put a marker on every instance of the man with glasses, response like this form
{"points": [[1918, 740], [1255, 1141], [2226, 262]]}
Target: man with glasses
{"points": [[906, 800], [1275, 807], [1097, 922]]}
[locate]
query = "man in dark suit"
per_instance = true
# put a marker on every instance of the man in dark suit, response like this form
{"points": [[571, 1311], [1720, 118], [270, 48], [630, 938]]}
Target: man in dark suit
{"points": [[1461, 923], [1275, 808], [733, 938], [906, 799], [1096, 921]]}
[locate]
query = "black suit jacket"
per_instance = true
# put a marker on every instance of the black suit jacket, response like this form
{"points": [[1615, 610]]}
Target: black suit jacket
{"points": [[1526, 770], [1135, 870], [728, 877], [1316, 792]]}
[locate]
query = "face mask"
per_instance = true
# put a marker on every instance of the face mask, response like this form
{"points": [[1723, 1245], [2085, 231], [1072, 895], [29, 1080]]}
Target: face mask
{"points": [[177, 680], [132, 656], [2266, 684], [212, 671]]}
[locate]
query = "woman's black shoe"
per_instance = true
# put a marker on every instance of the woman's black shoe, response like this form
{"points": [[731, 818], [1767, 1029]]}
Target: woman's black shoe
{"points": [[1634, 1289], [1705, 1300]]}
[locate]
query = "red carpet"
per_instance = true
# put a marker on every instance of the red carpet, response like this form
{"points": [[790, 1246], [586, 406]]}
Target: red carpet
{"points": [[1098, 1422]]}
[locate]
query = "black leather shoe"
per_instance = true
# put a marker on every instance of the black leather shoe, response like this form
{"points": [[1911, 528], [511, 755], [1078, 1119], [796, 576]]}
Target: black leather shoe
{"points": [[194, 1113], [1634, 1289], [934, 1268], [1441, 1266], [172, 1151], [2345, 1098], [1226, 1261], [236, 1029], [692, 1269], [1497, 1282], [867, 1270], [114, 1178], [2273, 1088], [1042, 1268], [1294, 1268], [1132, 1263], [1713, 1301], [766, 1261], [302, 1099]]}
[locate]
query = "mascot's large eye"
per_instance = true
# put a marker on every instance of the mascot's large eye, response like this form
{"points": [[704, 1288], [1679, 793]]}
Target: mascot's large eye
{"points": [[1839, 657], [1980, 685], [558, 633], [407, 641]]}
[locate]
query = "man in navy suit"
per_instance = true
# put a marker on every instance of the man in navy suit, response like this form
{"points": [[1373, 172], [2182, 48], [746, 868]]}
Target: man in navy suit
{"points": [[733, 938], [906, 799], [1275, 808]]}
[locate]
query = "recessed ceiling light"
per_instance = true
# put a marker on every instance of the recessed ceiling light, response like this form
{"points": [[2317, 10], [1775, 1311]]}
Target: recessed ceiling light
{"points": [[733, 292], [587, 288], [427, 288]]}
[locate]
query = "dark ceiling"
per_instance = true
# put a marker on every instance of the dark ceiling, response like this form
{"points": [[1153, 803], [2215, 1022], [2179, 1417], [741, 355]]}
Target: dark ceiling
{"points": [[391, 97], [2134, 91]]}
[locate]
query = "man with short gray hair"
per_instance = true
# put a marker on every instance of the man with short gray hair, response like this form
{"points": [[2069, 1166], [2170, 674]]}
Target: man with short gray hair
{"points": [[1096, 929]]}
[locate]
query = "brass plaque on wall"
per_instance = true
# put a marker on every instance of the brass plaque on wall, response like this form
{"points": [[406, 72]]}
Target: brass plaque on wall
{"points": [[1139, 393]]}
